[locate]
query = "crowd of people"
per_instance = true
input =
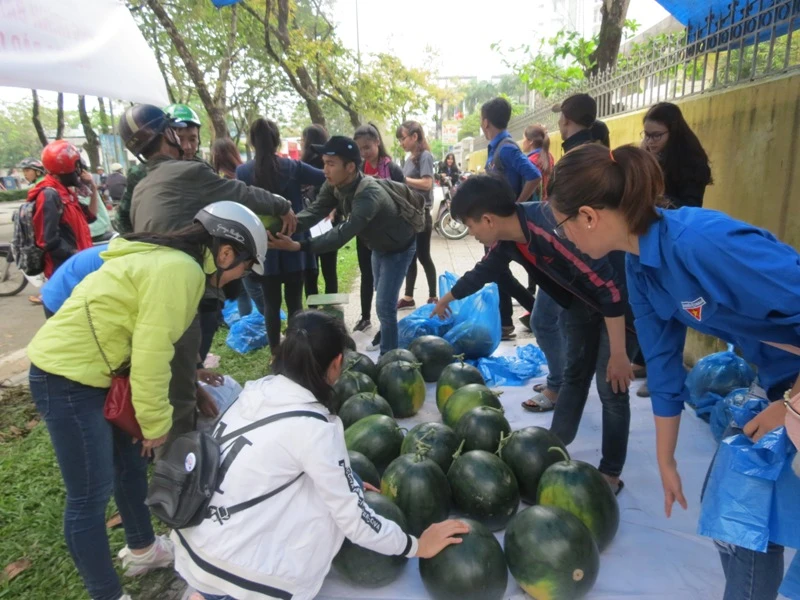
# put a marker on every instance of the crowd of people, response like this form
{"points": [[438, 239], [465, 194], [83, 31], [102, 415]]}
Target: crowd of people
{"points": [[615, 243]]}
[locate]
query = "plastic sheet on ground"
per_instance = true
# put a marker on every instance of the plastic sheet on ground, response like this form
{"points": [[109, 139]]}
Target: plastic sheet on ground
{"points": [[652, 557], [512, 370]]}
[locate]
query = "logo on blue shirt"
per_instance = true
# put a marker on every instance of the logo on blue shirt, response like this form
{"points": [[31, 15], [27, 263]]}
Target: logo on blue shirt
{"points": [[695, 307]]}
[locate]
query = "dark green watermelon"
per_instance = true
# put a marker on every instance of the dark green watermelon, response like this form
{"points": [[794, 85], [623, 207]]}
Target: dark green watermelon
{"points": [[482, 428], [473, 340], [455, 377], [271, 223], [355, 361], [434, 353], [401, 383], [349, 384], [363, 405], [395, 355], [528, 453], [377, 437], [484, 488], [363, 467], [579, 488], [439, 442], [551, 554], [465, 399], [419, 487], [368, 568], [475, 569]]}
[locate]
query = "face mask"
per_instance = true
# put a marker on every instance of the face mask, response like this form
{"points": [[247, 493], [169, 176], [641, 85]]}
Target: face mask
{"points": [[793, 420]]}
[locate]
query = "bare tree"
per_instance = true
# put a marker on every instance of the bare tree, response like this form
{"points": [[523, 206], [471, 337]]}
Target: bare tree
{"points": [[610, 37], [103, 117], [60, 117], [37, 120], [92, 144]]}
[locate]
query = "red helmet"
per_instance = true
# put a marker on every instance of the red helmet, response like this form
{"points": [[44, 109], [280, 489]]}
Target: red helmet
{"points": [[61, 157]]}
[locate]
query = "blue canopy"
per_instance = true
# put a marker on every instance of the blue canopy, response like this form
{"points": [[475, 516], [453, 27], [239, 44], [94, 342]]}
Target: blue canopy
{"points": [[221, 3]]}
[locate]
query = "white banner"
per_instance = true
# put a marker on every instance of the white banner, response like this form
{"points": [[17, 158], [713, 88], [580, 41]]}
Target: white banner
{"points": [[90, 47]]}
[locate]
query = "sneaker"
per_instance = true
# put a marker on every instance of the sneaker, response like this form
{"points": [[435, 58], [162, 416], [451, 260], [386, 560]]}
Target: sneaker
{"points": [[508, 333], [526, 321], [362, 325], [403, 303], [376, 343], [433, 300], [160, 555]]}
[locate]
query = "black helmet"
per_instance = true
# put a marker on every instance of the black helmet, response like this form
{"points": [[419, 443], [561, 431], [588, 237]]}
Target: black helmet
{"points": [[31, 163], [141, 124]]}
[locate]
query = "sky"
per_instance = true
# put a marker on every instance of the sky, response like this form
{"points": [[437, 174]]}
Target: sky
{"points": [[460, 38]]}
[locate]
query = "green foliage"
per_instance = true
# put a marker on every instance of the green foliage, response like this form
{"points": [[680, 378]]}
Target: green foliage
{"points": [[13, 195], [18, 138]]}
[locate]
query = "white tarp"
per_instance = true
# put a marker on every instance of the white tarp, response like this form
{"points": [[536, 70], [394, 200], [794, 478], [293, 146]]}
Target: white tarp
{"points": [[90, 47]]}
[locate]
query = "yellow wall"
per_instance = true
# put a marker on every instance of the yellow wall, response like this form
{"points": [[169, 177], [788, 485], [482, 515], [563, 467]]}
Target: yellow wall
{"points": [[752, 136]]}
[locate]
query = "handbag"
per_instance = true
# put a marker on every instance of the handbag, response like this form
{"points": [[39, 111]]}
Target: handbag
{"points": [[118, 408]]}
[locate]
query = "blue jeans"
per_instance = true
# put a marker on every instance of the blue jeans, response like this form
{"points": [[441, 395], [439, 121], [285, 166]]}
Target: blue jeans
{"points": [[95, 459], [389, 271], [587, 352], [252, 283], [545, 325]]}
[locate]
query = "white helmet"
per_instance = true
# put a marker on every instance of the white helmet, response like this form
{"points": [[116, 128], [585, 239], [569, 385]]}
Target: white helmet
{"points": [[115, 167], [231, 221]]}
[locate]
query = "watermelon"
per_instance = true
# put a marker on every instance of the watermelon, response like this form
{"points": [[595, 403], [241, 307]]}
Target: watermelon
{"points": [[528, 453], [434, 353], [363, 405], [482, 428], [475, 569], [368, 568], [349, 384], [455, 377], [579, 488], [401, 383], [465, 399], [271, 223], [395, 355], [473, 340], [438, 440], [419, 487], [484, 488], [551, 554], [363, 467], [377, 437], [355, 361]]}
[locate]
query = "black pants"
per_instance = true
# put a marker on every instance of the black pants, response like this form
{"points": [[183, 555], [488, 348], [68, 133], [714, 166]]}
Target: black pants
{"points": [[423, 255], [367, 282], [288, 286], [514, 290], [327, 263]]}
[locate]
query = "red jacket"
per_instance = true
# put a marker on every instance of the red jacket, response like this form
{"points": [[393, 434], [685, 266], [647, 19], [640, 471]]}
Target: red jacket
{"points": [[60, 222]]}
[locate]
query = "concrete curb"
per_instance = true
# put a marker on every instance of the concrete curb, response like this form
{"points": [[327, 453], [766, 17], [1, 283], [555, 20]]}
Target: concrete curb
{"points": [[14, 367]]}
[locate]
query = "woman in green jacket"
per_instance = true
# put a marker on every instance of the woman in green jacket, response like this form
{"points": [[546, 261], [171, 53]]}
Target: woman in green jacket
{"points": [[129, 312]]}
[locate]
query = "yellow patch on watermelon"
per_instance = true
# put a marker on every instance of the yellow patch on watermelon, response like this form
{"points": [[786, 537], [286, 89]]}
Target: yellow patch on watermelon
{"points": [[561, 498], [542, 591]]}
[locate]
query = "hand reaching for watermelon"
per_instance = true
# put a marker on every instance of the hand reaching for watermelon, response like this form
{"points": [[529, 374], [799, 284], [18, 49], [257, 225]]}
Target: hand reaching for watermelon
{"points": [[289, 223], [442, 308], [439, 536], [280, 241]]}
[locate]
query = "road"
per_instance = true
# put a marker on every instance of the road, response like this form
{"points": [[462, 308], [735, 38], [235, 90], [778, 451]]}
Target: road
{"points": [[6, 228]]}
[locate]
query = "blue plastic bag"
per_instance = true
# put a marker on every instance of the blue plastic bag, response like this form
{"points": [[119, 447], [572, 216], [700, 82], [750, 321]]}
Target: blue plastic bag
{"points": [[714, 377], [230, 312], [476, 326], [420, 322], [721, 415], [791, 581], [512, 370], [248, 333]]}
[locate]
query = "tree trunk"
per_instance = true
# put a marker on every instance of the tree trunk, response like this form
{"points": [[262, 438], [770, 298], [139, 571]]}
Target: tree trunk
{"points": [[216, 113], [60, 117], [103, 116], [92, 145], [37, 121], [610, 37]]}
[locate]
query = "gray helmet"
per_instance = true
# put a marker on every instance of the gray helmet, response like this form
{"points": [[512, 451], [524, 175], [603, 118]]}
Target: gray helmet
{"points": [[228, 220]]}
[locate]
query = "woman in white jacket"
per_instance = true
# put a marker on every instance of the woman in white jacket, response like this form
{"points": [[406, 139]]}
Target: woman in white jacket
{"points": [[283, 547]]}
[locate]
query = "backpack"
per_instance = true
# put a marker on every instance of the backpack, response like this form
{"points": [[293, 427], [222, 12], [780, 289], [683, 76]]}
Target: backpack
{"points": [[28, 256], [497, 166], [410, 204], [191, 470]]}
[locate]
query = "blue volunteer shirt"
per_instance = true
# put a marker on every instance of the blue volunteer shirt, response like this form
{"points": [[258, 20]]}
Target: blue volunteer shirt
{"points": [[700, 268], [59, 287], [517, 168]]}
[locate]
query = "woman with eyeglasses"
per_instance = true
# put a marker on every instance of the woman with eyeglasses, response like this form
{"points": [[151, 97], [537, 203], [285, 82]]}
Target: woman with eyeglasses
{"points": [[690, 268]]}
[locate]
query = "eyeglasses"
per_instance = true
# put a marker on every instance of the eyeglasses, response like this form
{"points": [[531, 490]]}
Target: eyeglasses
{"points": [[653, 136], [559, 228]]}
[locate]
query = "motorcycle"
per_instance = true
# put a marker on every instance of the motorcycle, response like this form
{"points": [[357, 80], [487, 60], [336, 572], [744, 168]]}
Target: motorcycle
{"points": [[12, 280], [445, 225]]}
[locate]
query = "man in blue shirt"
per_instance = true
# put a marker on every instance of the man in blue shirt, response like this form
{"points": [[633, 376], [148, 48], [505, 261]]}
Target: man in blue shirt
{"points": [[506, 159], [59, 287]]}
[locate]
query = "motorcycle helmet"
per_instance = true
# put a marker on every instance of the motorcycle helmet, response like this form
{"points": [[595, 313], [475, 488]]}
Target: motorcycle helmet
{"points": [[183, 114], [142, 124], [61, 158], [226, 220], [32, 163]]}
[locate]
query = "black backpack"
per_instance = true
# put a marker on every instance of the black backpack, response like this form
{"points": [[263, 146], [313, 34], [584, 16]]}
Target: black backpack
{"points": [[410, 204], [191, 470], [28, 256], [497, 166]]}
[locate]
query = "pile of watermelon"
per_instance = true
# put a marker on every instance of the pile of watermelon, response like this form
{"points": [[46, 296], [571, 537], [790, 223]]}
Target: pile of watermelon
{"points": [[470, 466]]}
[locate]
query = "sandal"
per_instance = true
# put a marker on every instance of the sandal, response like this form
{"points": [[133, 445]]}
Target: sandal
{"points": [[620, 487], [539, 404], [37, 300], [643, 391]]}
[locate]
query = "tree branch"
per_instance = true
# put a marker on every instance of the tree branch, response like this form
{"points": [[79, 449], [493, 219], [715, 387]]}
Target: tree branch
{"points": [[37, 120], [60, 116]]}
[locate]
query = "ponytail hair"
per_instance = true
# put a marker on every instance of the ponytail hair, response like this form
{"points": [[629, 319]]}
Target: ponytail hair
{"points": [[537, 135], [412, 127], [627, 179], [313, 340], [265, 137], [371, 131]]}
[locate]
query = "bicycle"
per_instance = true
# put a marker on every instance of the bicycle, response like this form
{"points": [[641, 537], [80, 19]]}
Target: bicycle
{"points": [[12, 280]]}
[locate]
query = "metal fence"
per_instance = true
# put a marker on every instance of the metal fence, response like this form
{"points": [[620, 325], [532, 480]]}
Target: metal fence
{"points": [[754, 40]]}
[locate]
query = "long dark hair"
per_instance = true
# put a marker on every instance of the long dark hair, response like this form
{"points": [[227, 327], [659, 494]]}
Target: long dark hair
{"points": [[411, 128], [225, 157], [627, 179], [453, 156], [313, 134], [265, 137], [313, 340], [372, 132], [537, 135], [194, 240], [684, 158]]}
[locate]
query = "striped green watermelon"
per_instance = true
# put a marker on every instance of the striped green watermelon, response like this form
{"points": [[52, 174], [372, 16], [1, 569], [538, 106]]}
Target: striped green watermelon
{"points": [[453, 378], [395, 355], [439, 441], [355, 361], [377, 437], [363, 405], [363, 467], [529, 453], [272, 223], [419, 487], [349, 384], [465, 399], [434, 353], [482, 428], [401, 383], [484, 488]]}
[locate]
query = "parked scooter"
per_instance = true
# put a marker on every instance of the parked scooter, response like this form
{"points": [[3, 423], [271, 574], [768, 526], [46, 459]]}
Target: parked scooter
{"points": [[445, 224]]}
